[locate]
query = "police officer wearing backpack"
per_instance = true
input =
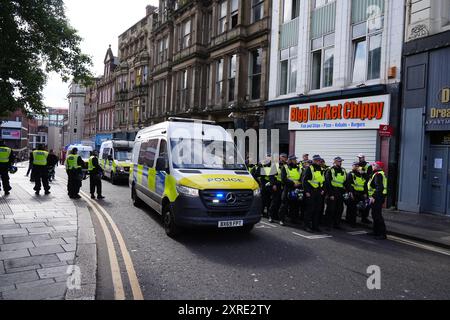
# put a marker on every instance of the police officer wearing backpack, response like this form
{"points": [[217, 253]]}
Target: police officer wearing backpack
{"points": [[263, 176], [290, 179], [95, 176], [39, 159], [6, 160], [74, 168], [313, 181], [357, 189], [377, 187], [335, 179]]}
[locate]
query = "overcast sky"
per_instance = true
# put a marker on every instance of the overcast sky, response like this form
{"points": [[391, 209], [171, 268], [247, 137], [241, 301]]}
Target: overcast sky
{"points": [[99, 23]]}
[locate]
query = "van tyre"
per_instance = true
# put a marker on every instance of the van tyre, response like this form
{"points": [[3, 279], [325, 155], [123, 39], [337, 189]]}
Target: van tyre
{"points": [[113, 179], [172, 230], [136, 201]]}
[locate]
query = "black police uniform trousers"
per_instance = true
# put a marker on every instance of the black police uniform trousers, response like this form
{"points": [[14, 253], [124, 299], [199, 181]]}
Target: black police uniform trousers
{"points": [[379, 227], [335, 208], [314, 209], [289, 207], [4, 174], [74, 182], [95, 182], [275, 203], [266, 195], [40, 174], [352, 207]]}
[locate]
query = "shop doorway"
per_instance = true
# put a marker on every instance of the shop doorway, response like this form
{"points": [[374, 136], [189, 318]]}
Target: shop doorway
{"points": [[437, 197]]}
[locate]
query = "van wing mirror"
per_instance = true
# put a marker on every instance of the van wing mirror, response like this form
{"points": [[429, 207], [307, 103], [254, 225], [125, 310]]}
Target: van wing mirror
{"points": [[162, 164], [110, 158]]}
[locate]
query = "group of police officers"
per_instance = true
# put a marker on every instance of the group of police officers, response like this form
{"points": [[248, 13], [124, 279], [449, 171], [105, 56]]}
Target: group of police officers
{"points": [[39, 162], [312, 193]]}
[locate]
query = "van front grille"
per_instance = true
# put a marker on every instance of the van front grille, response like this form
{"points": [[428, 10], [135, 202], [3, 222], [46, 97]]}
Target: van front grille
{"points": [[240, 200]]}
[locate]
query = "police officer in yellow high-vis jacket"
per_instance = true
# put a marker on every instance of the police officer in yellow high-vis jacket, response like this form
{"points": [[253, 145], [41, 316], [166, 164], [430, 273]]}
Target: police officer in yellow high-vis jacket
{"points": [[6, 160], [313, 181], [377, 188], [95, 176], [290, 179], [335, 178], [39, 159], [357, 188], [74, 168], [277, 189]]}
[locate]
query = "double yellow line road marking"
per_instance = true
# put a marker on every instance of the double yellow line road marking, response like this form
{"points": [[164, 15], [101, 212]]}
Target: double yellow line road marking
{"points": [[119, 292]]}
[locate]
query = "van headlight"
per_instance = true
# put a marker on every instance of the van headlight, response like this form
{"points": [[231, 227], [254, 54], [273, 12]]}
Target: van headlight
{"points": [[257, 192], [120, 168], [191, 192]]}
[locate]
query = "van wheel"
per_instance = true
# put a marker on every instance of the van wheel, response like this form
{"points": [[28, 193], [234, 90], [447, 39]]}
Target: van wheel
{"points": [[248, 228], [113, 180], [172, 230], [136, 201]]}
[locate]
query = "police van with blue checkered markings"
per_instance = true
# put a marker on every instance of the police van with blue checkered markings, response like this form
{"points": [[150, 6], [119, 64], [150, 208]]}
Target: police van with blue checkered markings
{"points": [[191, 174]]}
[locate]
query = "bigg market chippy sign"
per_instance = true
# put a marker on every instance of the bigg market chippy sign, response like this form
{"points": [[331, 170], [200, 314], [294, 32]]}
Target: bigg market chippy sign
{"points": [[346, 114]]}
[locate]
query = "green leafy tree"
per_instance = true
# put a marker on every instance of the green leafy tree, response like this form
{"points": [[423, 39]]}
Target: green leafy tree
{"points": [[35, 39]]}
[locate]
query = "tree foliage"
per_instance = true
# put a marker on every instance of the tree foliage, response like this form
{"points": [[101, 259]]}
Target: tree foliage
{"points": [[35, 39]]}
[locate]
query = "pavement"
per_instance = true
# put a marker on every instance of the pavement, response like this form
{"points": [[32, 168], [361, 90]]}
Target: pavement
{"points": [[47, 244]]}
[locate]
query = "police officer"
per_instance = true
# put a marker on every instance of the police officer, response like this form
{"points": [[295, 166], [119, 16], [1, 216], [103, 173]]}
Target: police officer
{"points": [[263, 176], [357, 188], [377, 188], [290, 179], [275, 181], [95, 173], [367, 171], [39, 159], [335, 179], [74, 169], [6, 160], [305, 166], [313, 181]]}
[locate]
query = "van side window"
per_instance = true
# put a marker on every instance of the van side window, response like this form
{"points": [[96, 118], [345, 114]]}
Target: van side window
{"points": [[105, 153], [148, 153], [163, 149], [136, 150]]}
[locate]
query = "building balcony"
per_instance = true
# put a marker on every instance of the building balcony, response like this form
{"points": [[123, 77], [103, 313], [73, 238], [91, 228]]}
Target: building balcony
{"points": [[228, 36], [193, 50]]}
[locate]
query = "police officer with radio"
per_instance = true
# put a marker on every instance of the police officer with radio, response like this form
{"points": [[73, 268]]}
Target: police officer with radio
{"points": [[6, 160], [95, 176], [368, 172], [377, 188], [335, 179], [39, 159], [290, 179], [74, 168], [313, 181], [277, 189], [357, 188]]}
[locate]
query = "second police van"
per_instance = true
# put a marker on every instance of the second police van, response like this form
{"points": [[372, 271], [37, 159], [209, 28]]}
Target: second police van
{"points": [[179, 170], [115, 159]]}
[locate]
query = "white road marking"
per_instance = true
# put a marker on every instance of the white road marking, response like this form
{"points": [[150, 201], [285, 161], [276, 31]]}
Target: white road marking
{"points": [[317, 237], [268, 224], [420, 245], [357, 233]]}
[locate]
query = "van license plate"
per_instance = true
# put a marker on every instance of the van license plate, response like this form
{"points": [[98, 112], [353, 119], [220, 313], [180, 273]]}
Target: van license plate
{"points": [[231, 224]]}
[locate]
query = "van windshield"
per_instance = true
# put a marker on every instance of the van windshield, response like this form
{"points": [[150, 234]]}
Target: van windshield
{"points": [[205, 154], [84, 154], [122, 154]]}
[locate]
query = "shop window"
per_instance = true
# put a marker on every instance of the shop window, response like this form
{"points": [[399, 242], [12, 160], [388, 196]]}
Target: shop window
{"points": [[232, 78], [322, 62], [288, 70], [255, 71], [291, 10], [257, 10]]}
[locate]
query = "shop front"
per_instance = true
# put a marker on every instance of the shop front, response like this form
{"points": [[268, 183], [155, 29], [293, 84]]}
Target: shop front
{"points": [[424, 183]]}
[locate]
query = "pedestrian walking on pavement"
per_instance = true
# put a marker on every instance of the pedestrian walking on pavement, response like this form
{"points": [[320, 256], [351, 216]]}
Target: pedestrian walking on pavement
{"points": [[95, 176], [39, 159], [6, 160], [313, 181], [74, 168], [357, 189], [275, 181], [30, 166], [52, 164], [377, 187], [335, 179]]}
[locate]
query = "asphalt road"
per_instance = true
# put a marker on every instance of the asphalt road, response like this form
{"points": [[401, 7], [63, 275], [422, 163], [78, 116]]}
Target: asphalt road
{"points": [[270, 263]]}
